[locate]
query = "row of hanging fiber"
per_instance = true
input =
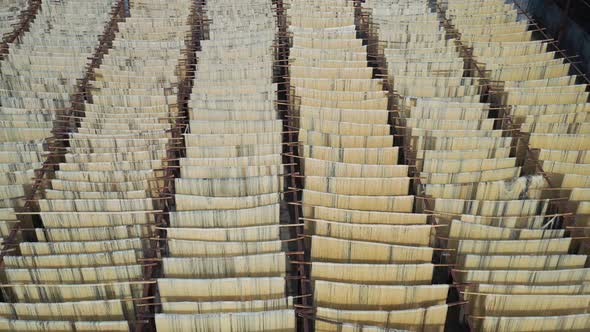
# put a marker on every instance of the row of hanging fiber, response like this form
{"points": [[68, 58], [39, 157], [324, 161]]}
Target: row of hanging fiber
{"points": [[513, 261], [371, 256], [37, 78], [83, 270], [226, 268], [547, 289]]}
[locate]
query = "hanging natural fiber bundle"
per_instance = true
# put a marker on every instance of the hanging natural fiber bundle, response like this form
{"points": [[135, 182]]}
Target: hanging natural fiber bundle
{"points": [[449, 112], [67, 293], [581, 156], [83, 310], [266, 265], [96, 205], [471, 231], [252, 150], [190, 202], [345, 327], [218, 140], [559, 141], [74, 275], [448, 139], [514, 247], [230, 289], [123, 257], [83, 186], [358, 85], [317, 167], [517, 207], [235, 127], [365, 203], [366, 217], [200, 172], [358, 186], [240, 234], [485, 124], [526, 289], [59, 194], [276, 320], [523, 305], [362, 297], [466, 165], [373, 156], [310, 137], [477, 153], [464, 142], [69, 326], [470, 177], [226, 306], [520, 262], [413, 235], [579, 322], [115, 157], [566, 168], [371, 274], [422, 319], [326, 249], [40, 248], [575, 181], [232, 187], [231, 115], [91, 233], [558, 81], [583, 209], [522, 277], [580, 194], [343, 128], [336, 43], [262, 215], [89, 219], [132, 149], [340, 95], [80, 144], [105, 176], [191, 248], [265, 160], [11, 191], [520, 112]]}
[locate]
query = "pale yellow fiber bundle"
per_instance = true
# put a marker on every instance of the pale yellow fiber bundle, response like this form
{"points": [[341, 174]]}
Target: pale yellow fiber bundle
{"points": [[366, 203], [366, 297], [367, 217], [276, 320], [417, 235], [232, 289], [226, 306], [423, 319], [193, 248], [225, 267], [83, 310], [373, 274], [326, 249], [240, 234], [45, 325], [579, 322]]}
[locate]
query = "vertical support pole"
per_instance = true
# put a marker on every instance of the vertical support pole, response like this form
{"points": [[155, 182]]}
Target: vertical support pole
{"points": [[290, 153]]}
